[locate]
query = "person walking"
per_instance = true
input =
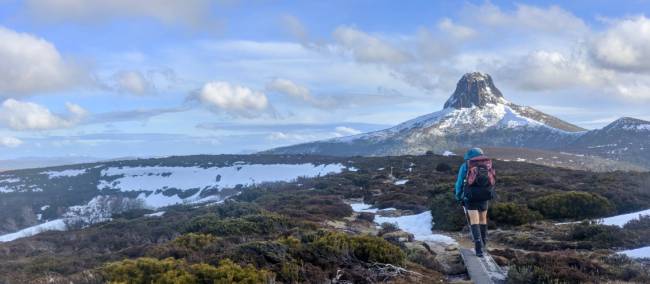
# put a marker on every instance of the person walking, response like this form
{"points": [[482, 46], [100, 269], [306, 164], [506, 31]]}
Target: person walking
{"points": [[474, 188]]}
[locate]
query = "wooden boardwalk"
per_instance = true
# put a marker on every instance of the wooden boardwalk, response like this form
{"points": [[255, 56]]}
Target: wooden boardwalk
{"points": [[482, 270]]}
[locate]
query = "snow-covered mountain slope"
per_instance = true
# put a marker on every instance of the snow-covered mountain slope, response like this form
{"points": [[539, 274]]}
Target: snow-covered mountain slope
{"points": [[78, 195], [626, 139], [476, 114]]}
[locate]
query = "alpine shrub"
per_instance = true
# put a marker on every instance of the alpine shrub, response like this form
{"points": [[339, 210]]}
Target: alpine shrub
{"points": [[447, 214], [151, 270], [572, 204], [514, 214]]}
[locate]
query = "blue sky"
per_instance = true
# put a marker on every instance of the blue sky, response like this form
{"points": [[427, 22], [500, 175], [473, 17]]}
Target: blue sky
{"points": [[149, 78]]}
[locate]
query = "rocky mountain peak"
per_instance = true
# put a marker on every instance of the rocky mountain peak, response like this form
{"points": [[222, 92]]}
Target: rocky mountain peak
{"points": [[629, 123], [475, 89]]}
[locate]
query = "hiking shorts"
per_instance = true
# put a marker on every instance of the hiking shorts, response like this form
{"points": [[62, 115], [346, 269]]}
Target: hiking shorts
{"points": [[477, 205]]}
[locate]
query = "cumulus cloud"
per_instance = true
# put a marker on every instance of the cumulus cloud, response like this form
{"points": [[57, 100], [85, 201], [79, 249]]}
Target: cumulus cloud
{"points": [[20, 115], [10, 142], [133, 82], [238, 101], [290, 88], [368, 48], [190, 13], [30, 64], [548, 70], [624, 46]]}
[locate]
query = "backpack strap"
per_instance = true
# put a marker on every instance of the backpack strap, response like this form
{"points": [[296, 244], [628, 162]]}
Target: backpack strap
{"points": [[465, 178]]}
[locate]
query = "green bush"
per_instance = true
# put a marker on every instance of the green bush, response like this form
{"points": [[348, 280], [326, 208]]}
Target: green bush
{"points": [[447, 214], [374, 249], [572, 204], [364, 248], [151, 270], [194, 242], [247, 226], [602, 236], [532, 274], [514, 214], [641, 224]]}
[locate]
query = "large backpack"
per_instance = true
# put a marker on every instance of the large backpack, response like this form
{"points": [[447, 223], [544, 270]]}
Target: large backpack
{"points": [[480, 179]]}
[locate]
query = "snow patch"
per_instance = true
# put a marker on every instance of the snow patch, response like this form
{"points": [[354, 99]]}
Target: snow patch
{"points": [[618, 220], [64, 173], [153, 182], [621, 220], [401, 182], [54, 225], [157, 214], [158, 199], [419, 225], [362, 207], [187, 178], [643, 252]]}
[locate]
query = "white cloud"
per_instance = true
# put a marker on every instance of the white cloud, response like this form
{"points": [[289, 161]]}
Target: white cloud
{"points": [[368, 48], [290, 88], [10, 142], [238, 101], [625, 45], [191, 13], [547, 70], [553, 19], [634, 90], [346, 131], [133, 82], [30, 64], [455, 30], [19, 115]]}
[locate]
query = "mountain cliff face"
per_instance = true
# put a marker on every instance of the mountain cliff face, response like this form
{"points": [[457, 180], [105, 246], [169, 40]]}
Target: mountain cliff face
{"points": [[476, 114], [626, 139]]}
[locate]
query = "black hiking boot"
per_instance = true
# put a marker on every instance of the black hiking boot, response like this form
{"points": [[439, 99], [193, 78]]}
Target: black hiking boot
{"points": [[478, 247], [478, 244], [484, 235]]}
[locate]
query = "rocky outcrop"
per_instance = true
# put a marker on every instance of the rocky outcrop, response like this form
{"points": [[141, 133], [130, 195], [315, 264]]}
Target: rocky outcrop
{"points": [[475, 89]]}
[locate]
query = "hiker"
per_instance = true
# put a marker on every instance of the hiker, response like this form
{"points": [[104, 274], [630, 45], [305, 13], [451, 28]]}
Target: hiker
{"points": [[474, 188]]}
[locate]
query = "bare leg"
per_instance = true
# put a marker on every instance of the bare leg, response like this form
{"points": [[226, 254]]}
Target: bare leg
{"points": [[473, 217], [482, 217]]}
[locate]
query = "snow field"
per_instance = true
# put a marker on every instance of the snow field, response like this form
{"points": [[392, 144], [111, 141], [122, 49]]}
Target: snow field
{"points": [[154, 180], [54, 225]]}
